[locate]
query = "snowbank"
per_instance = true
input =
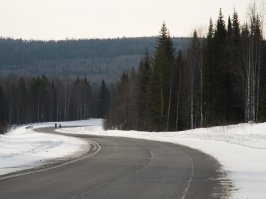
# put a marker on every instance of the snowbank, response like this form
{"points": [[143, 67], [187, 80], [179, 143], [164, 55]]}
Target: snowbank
{"points": [[22, 148], [241, 149]]}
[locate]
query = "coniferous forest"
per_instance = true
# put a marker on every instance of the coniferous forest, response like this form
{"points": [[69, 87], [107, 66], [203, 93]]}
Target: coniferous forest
{"points": [[39, 99], [218, 79], [95, 59]]}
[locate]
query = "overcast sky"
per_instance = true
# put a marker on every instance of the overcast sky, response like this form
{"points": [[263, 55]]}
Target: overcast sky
{"points": [[61, 19]]}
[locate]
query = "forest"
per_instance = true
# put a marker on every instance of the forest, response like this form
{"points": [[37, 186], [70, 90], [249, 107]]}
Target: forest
{"points": [[219, 79], [95, 59], [39, 99], [215, 79]]}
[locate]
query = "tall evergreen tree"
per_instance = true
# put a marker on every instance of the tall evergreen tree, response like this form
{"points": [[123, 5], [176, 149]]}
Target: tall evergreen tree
{"points": [[236, 29], [23, 102], [143, 80], [233, 52], [104, 100], [221, 80], [178, 82], [161, 80]]}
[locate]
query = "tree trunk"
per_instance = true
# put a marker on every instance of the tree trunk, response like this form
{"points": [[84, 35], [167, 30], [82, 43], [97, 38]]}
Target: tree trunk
{"points": [[258, 82], [178, 99], [162, 102], [192, 103], [169, 102], [201, 94]]}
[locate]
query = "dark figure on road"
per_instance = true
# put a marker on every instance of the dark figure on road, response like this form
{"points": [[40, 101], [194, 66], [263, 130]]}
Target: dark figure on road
{"points": [[55, 125]]}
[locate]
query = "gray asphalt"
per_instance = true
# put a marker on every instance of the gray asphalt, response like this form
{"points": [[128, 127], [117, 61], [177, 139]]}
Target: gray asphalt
{"points": [[126, 169]]}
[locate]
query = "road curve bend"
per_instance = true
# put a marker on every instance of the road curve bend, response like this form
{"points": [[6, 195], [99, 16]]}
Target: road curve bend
{"points": [[125, 169]]}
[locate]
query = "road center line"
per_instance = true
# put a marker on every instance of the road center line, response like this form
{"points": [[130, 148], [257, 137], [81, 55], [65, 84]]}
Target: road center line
{"points": [[191, 177]]}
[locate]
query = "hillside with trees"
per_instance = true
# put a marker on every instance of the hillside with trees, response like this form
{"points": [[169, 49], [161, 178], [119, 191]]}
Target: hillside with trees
{"points": [[218, 79], [95, 59]]}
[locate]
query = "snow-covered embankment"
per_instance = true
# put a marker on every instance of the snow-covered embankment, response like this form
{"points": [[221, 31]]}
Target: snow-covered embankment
{"points": [[23, 148]]}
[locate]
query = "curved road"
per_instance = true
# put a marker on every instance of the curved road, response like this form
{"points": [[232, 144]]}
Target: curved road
{"points": [[125, 169]]}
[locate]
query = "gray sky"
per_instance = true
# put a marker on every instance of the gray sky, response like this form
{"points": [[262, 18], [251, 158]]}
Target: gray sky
{"points": [[61, 19]]}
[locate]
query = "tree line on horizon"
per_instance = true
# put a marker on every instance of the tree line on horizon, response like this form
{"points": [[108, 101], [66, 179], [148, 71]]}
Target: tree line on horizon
{"points": [[39, 99], [97, 59], [219, 79]]}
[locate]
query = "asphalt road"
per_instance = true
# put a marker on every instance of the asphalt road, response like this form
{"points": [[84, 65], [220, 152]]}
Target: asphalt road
{"points": [[125, 169]]}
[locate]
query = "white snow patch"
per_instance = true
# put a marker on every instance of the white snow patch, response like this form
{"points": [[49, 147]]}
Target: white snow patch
{"points": [[241, 149], [22, 148]]}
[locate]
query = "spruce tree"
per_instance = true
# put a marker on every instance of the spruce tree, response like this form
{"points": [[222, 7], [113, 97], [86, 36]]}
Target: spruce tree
{"points": [[236, 29], [23, 107], [220, 73], [178, 124], [104, 100], [142, 89], [208, 73], [234, 54], [161, 80]]}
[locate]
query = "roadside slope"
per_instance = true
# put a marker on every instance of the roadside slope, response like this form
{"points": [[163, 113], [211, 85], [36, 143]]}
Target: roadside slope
{"points": [[23, 148]]}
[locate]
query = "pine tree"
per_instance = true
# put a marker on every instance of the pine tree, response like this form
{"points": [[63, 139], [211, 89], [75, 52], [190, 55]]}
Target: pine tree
{"points": [[160, 91], [178, 82], [23, 102], [208, 74], [120, 113], [142, 89], [221, 79], [236, 29], [104, 100], [220, 32], [236, 93], [216, 74]]}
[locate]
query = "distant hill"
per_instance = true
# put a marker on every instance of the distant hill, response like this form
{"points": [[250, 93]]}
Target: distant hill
{"points": [[95, 59]]}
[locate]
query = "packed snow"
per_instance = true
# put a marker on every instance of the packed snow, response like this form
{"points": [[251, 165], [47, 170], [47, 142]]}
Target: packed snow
{"points": [[241, 149]]}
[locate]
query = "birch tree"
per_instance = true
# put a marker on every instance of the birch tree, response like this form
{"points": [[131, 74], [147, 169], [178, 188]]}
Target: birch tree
{"points": [[252, 64], [194, 62]]}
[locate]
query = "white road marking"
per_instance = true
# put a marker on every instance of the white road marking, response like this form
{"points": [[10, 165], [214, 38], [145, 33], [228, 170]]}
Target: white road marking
{"points": [[131, 174], [55, 166], [191, 177]]}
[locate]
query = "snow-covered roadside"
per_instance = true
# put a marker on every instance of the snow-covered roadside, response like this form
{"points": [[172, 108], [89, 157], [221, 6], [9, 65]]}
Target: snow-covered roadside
{"points": [[241, 149], [22, 148]]}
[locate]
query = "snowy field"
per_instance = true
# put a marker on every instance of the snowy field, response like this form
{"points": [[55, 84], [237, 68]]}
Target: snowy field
{"points": [[241, 149]]}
